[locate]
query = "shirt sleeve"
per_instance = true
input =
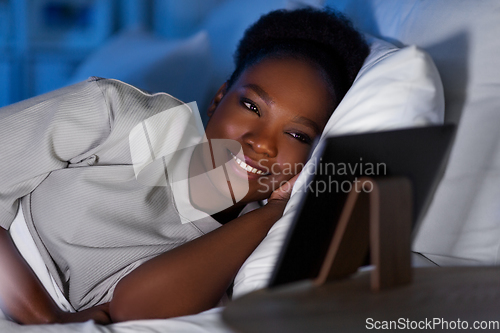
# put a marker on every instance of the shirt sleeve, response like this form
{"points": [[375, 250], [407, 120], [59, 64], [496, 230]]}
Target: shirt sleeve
{"points": [[43, 134]]}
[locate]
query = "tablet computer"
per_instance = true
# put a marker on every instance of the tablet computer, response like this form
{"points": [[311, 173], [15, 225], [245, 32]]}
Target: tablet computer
{"points": [[415, 153]]}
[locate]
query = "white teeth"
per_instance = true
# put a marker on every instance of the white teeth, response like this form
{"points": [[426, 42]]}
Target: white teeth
{"points": [[247, 167]]}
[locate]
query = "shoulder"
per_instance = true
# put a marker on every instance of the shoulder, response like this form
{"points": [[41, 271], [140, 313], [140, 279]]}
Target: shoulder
{"points": [[132, 97]]}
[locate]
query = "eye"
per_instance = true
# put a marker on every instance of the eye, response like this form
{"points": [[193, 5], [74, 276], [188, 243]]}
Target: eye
{"points": [[301, 137], [250, 106]]}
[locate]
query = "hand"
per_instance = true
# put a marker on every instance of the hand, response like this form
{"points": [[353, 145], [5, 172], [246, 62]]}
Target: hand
{"points": [[285, 191], [99, 314]]}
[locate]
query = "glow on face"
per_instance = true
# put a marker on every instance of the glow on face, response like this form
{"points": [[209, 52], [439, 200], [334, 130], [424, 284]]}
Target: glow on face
{"points": [[274, 110]]}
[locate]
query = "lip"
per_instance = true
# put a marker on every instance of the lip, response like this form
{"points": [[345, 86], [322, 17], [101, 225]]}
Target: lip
{"points": [[251, 163]]}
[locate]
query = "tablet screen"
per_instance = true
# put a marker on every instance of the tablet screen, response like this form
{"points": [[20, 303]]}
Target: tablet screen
{"points": [[417, 153]]}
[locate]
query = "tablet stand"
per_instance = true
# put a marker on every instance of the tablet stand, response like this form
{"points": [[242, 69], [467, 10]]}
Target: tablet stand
{"points": [[376, 216]]}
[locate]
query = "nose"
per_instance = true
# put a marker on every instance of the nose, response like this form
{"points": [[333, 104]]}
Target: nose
{"points": [[262, 141]]}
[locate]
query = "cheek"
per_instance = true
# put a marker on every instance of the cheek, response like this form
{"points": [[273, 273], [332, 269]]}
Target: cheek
{"points": [[293, 160], [225, 124]]}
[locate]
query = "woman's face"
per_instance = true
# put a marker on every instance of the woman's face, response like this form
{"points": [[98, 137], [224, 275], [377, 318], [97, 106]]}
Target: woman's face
{"points": [[274, 110]]}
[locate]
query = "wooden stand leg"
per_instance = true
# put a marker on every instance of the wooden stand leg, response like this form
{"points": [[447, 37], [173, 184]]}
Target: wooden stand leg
{"points": [[390, 229], [377, 215], [349, 244]]}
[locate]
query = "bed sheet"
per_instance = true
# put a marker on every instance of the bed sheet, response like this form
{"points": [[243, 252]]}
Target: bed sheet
{"points": [[205, 322]]}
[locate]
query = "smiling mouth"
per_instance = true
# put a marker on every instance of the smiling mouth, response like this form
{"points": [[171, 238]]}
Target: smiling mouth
{"points": [[247, 167]]}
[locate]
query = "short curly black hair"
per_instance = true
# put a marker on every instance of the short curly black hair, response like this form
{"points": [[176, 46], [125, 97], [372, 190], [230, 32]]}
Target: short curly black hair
{"points": [[324, 38]]}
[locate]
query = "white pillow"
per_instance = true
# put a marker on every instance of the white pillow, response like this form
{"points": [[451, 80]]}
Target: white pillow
{"points": [[180, 67], [395, 88], [462, 224]]}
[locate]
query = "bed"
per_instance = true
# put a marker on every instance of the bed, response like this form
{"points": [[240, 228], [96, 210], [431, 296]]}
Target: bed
{"points": [[452, 74]]}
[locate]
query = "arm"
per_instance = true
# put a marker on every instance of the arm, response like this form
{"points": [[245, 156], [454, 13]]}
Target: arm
{"points": [[193, 277], [24, 298]]}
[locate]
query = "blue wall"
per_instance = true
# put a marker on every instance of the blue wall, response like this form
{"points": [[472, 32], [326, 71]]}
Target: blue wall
{"points": [[42, 42]]}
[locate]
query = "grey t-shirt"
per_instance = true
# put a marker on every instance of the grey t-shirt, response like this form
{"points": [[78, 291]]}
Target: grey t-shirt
{"points": [[67, 155]]}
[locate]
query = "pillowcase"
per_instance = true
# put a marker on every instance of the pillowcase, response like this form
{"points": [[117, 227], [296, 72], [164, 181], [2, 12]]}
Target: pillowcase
{"points": [[395, 88], [180, 67]]}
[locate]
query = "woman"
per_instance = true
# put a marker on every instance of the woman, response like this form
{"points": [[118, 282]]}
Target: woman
{"points": [[115, 246]]}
